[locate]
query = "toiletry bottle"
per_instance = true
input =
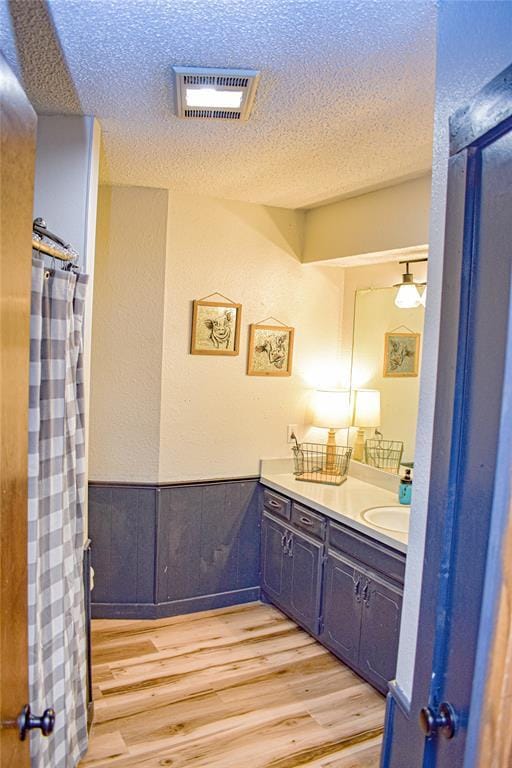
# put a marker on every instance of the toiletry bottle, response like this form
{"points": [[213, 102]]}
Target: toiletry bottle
{"points": [[405, 489]]}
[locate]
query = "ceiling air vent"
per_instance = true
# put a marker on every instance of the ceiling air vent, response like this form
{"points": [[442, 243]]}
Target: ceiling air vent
{"points": [[219, 94]]}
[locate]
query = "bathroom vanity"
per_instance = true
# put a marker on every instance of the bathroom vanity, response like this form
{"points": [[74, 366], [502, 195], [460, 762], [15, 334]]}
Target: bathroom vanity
{"points": [[334, 573]]}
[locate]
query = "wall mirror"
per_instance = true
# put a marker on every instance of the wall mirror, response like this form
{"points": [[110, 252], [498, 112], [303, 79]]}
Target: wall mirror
{"points": [[386, 356]]}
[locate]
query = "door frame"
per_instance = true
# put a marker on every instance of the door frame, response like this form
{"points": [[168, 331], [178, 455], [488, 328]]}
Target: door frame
{"points": [[487, 116]]}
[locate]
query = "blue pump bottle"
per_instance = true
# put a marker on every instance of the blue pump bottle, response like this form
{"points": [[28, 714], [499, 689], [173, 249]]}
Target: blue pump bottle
{"points": [[405, 488]]}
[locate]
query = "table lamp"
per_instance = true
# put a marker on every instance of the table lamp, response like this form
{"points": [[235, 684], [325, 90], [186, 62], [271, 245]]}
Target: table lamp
{"points": [[366, 414], [331, 410]]}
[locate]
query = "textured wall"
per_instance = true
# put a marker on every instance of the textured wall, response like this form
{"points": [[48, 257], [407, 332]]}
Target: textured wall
{"points": [[216, 420], [159, 413], [127, 334], [384, 220], [473, 46]]}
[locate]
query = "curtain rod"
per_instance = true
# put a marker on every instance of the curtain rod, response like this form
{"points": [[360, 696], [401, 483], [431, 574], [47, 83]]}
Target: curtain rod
{"points": [[60, 250]]}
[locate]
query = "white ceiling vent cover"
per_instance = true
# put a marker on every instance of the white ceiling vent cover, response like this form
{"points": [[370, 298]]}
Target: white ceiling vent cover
{"points": [[221, 94]]}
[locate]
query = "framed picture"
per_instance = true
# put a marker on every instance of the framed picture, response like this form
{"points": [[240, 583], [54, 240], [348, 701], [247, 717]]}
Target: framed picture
{"points": [[401, 354], [215, 328], [270, 350]]}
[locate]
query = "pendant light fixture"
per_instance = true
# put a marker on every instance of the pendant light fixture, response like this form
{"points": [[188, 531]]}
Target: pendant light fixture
{"points": [[408, 296]]}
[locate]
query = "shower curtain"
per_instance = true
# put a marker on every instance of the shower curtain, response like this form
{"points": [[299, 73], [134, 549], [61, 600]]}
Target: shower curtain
{"points": [[57, 644]]}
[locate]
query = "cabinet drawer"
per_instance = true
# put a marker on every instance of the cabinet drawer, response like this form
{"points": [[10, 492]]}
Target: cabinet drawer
{"points": [[276, 504], [373, 554], [308, 521]]}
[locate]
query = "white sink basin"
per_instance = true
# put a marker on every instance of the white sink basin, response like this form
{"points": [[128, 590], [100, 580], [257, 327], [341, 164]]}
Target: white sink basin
{"points": [[392, 518]]}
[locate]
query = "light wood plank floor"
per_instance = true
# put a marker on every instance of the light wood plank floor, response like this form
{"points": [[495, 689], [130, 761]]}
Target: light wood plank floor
{"points": [[240, 687]]}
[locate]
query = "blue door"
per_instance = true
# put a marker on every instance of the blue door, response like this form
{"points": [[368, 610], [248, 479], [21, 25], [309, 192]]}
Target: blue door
{"points": [[439, 730]]}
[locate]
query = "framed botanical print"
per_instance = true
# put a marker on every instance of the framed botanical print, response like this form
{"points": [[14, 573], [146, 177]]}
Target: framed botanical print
{"points": [[401, 354], [270, 350], [215, 328]]}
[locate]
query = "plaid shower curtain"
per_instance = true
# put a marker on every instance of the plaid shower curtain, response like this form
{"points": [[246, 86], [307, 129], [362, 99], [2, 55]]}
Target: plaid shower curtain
{"points": [[57, 653]]}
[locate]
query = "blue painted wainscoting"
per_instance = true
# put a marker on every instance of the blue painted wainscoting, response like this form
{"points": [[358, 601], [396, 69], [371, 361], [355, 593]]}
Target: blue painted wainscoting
{"points": [[171, 549]]}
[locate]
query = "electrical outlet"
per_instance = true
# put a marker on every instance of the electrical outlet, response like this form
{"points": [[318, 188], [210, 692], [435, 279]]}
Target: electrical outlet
{"points": [[291, 429]]}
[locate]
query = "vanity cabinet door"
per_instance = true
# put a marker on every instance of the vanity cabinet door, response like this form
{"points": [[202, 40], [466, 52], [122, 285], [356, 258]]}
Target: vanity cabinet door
{"points": [[342, 607], [306, 563], [380, 628], [275, 567]]}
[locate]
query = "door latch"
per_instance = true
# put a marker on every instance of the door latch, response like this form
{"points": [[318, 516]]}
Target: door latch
{"points": [[443, 721]]}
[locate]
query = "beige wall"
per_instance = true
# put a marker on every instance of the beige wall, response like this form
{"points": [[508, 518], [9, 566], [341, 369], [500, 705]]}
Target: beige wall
{"points": [[126, 362], [159, 413], [391, 218], [216, 420]]}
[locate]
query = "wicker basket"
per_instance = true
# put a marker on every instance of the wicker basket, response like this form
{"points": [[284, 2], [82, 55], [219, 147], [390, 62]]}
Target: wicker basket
{"points": [[319, 463], [384, 454]]}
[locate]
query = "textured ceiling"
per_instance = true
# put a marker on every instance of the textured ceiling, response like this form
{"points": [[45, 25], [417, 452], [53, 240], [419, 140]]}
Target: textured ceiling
{"points": [[345, 100]]}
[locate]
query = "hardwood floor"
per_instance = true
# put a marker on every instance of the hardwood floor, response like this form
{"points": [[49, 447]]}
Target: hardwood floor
{"points": [[240, 687]]}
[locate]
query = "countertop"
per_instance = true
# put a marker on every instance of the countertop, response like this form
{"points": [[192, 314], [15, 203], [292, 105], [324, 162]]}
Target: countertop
{"points": [[343, 503]]}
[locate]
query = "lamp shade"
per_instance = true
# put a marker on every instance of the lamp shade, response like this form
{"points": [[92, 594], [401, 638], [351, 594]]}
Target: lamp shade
{"points": [[367, 408], [331, 408], [407, 296]]}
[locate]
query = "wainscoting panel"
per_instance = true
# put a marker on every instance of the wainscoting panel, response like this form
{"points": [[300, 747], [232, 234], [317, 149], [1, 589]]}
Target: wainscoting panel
{"points": [[179, 543], [122, 531], [164, 550]]}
